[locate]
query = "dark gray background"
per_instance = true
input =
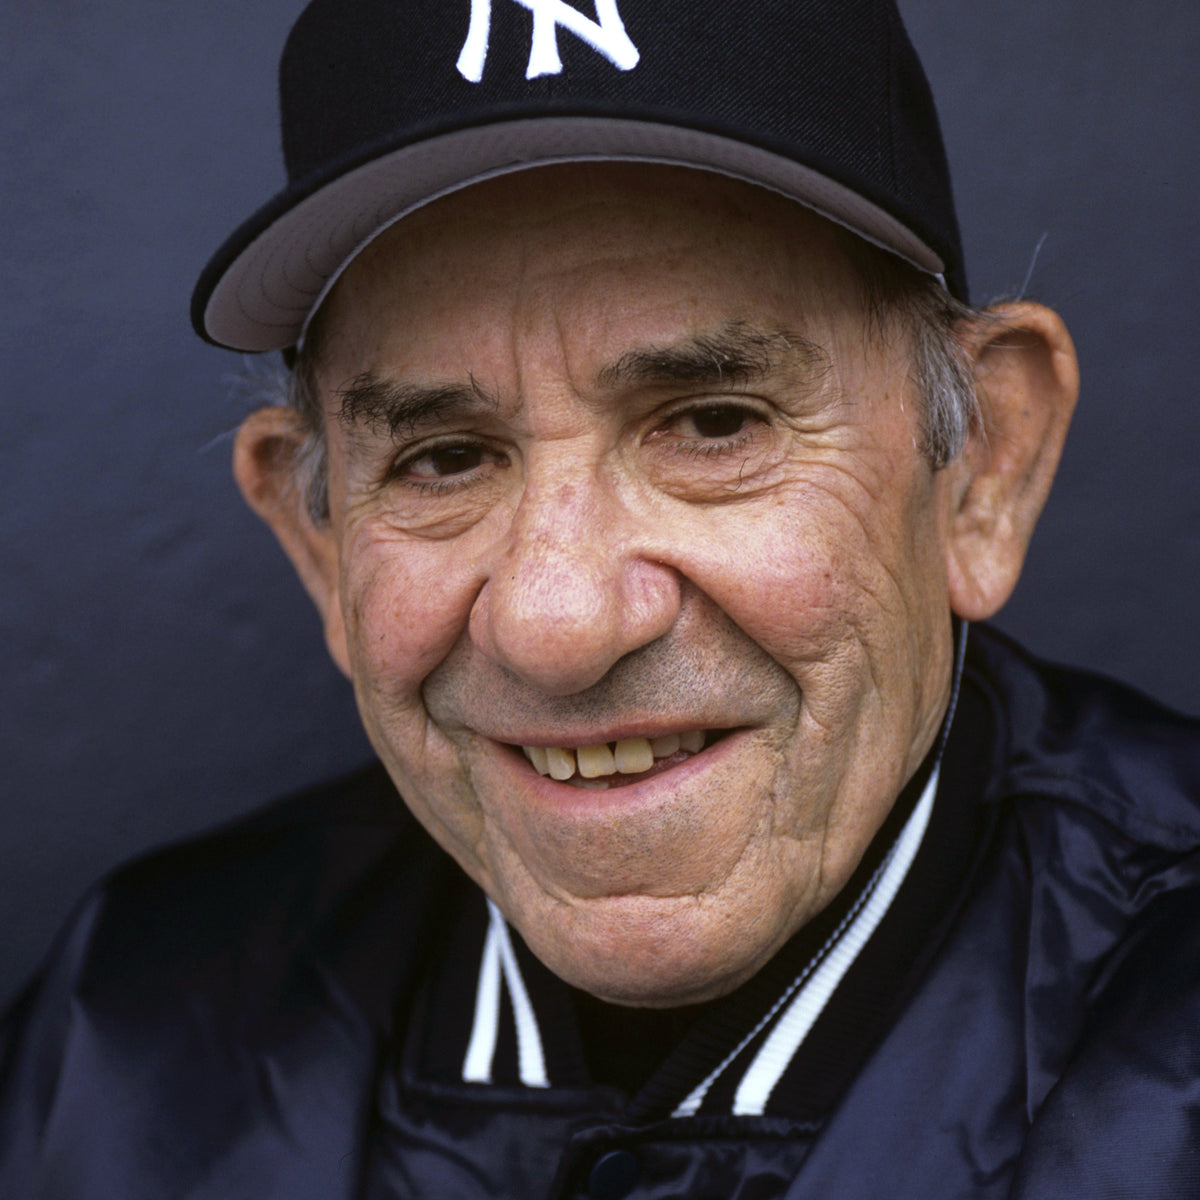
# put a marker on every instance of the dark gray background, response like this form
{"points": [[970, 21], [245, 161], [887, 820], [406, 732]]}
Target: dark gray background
{"points": [[163, 670]]}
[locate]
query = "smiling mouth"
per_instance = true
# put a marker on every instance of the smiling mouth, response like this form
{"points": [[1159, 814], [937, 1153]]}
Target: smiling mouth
{"points": [[617, 764]]}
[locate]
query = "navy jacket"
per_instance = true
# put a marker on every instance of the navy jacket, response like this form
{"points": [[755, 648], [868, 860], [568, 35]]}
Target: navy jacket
{"points": [[279, 1011]]}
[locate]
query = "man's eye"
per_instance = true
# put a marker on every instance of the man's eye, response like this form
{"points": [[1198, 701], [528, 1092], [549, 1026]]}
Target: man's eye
{"points": [[713, 421], [442, 461]]}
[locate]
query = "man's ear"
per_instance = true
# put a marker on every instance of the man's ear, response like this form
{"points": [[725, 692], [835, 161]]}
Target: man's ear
{"points": [[267, 457], [1027, 379]]}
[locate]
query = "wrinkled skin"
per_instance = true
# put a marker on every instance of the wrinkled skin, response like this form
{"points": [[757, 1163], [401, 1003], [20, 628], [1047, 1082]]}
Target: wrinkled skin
{"points": [[566, 543]]}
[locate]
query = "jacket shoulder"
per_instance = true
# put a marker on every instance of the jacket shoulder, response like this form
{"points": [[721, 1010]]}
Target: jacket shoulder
{"points": [[231, 920], [232, 991], [1087, 740]]}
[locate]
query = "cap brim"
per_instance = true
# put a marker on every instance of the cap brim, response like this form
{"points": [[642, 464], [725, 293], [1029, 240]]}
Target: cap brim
{"points": [[261, 288]]}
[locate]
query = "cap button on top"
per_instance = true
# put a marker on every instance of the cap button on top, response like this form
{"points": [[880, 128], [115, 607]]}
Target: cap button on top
{"points": [[614, 1175]]}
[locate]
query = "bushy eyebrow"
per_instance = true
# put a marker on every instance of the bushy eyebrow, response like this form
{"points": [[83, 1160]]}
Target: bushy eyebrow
{"points": [[397, 407], [737, 354]]}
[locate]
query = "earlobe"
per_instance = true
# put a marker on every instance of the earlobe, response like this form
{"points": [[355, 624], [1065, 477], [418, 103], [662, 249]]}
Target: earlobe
{"points": [[267, 455], [1027, 380]]}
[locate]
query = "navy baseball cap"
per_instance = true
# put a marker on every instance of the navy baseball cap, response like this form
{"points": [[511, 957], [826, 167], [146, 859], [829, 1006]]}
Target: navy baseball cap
{"points": [[389, 104]]}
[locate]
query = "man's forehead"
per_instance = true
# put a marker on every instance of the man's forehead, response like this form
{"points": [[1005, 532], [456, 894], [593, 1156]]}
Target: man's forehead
{"points": [[620, 201], [649, 239]]}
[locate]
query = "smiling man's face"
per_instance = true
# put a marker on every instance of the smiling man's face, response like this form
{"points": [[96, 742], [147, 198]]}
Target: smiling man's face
{"points": [[617, 463]]}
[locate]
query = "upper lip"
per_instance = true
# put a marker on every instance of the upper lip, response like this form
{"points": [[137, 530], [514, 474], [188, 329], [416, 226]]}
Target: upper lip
{"points": [[608, 733]]}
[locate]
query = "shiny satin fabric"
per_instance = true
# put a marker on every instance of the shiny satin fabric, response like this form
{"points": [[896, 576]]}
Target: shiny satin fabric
{"points": [[236, 1017]]}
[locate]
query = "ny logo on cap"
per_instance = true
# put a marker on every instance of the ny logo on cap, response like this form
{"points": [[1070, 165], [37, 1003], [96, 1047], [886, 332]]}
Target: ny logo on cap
{"points": [[606, 35]]}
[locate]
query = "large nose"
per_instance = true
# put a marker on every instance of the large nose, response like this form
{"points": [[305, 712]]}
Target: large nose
{"points": [[574, 589]]}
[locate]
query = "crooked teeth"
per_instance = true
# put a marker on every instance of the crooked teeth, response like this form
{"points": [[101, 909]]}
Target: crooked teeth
{"points": [[629, 756], [595, 761], [560, 764]]}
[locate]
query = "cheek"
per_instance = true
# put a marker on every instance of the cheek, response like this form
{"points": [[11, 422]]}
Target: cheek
{"points": [[405, 605], [788, 577], [838, 581]]}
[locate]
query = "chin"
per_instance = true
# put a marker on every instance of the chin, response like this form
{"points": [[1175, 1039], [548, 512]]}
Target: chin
{"points": [[651, 954]]}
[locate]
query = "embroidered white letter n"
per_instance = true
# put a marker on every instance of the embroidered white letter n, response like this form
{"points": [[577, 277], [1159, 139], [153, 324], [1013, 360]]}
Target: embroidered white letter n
{"points": [[606, 36]]}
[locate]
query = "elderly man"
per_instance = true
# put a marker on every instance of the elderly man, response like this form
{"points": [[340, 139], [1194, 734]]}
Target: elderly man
{"points": [[646, 464]]}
